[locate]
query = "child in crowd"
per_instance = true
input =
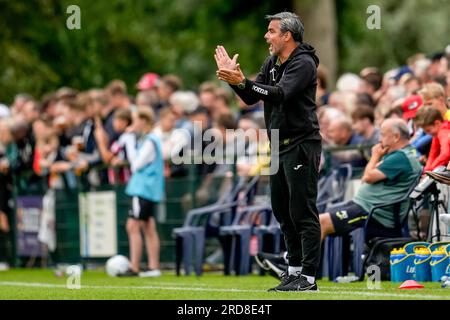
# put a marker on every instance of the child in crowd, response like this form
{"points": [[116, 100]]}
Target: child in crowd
{"points": [[146, 187]]}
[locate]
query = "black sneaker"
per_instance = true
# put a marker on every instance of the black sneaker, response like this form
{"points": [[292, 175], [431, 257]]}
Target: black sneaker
{"points": [[298, 284], [285, 280], [128, 273]]}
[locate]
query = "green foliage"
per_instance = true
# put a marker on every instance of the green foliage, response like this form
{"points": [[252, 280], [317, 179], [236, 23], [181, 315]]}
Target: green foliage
{"points": [[124, 39], [407, 27]]}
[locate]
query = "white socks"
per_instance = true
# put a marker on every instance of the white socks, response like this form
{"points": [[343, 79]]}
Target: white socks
{"points": [[298, 270], [310, 279], [294, 270], [445, 218]]}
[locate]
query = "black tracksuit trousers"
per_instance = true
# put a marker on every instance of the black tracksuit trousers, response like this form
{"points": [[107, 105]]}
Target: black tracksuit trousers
{"points": [[293, 197]]}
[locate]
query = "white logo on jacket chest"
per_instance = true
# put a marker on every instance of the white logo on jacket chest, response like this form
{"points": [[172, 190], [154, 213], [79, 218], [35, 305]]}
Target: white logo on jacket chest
{"points": [[272, 72], [260, 90]]}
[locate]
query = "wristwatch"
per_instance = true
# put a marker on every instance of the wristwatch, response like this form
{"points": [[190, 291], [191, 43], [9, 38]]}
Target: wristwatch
{"points": [[241, 85]]}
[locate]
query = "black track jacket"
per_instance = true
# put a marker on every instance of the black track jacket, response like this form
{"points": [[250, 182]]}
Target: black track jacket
{"points": [[289, 94]]}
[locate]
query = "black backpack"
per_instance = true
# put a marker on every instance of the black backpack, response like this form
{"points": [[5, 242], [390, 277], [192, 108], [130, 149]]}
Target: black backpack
{"points": [[379, 250]]}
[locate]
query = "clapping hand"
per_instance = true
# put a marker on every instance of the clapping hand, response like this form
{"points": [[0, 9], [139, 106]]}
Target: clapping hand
{"points": [[223, 60], [232, 77]]}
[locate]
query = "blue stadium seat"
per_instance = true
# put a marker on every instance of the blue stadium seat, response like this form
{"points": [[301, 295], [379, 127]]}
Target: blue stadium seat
{"points": [[190, 238], [236, 237]]}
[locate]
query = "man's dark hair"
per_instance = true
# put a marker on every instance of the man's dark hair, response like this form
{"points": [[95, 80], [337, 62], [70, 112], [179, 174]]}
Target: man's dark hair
{"points": [[394, 111], [362, 112], [173, 81], [200, 110], [289, 22], [374, 80], [364, 98]]}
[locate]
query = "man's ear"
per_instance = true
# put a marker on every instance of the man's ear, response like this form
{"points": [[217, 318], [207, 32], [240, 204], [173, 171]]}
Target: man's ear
{"points": [[287, 36]]}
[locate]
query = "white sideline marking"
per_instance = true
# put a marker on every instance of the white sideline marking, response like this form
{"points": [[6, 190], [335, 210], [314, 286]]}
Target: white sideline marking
{"points": [[173, 288]]}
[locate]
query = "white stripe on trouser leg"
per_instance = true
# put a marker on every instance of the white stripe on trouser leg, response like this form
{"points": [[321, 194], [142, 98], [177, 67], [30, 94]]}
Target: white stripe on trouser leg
{"points": [[136, 207]]}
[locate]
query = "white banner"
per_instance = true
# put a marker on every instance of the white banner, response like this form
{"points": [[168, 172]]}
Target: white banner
{"points": [[98, 224]]}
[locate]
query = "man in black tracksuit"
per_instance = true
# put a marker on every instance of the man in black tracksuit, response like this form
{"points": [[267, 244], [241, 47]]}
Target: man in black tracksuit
{"points": [[287, 85]]}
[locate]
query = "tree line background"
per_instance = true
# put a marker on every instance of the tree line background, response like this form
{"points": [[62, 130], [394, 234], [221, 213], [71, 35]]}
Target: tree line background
{"points": [[126, 38]]}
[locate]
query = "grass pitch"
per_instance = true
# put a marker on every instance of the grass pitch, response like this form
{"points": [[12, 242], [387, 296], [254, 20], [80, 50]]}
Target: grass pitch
{"points": [[44, 284]]}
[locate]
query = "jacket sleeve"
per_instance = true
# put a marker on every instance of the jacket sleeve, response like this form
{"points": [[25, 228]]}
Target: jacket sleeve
{"points": [[432, 156], [297, 76], [443, 156], [247, 96]]}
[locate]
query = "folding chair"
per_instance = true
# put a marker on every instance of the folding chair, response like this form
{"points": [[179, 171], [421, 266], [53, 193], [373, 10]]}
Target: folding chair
{"points": [[362, 238]]}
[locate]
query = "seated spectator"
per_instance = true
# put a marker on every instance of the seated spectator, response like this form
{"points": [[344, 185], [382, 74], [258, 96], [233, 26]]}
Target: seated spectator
{"points": [[222, 102], [322, 93], [433, 95], [341, 135], [363, 124], [389, 174], [325, 114], [433, 124], [420, 140]]}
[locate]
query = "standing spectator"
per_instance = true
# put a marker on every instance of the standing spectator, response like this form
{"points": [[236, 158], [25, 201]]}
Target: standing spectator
{"points": [[166, 87], [182, 103], [147, 95], [118, 95], [146, 187], [19, 102], [114, 153], [173, 142]]}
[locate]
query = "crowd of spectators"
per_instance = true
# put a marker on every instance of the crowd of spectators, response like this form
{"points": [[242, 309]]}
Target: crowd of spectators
{"points": [[68, 134]]}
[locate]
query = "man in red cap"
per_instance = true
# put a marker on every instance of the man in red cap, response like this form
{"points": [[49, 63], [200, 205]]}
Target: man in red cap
{"points": [[410, 106], [148, 81], [147, 95]]}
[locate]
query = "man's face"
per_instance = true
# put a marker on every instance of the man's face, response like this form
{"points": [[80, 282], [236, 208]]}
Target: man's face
{"points": [[387, 137], [274, 38], [360, 125], [338, 134]]}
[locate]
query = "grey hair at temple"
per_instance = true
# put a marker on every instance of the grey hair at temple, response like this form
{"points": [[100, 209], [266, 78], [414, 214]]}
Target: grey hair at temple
{"points": [[289, 22]]}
